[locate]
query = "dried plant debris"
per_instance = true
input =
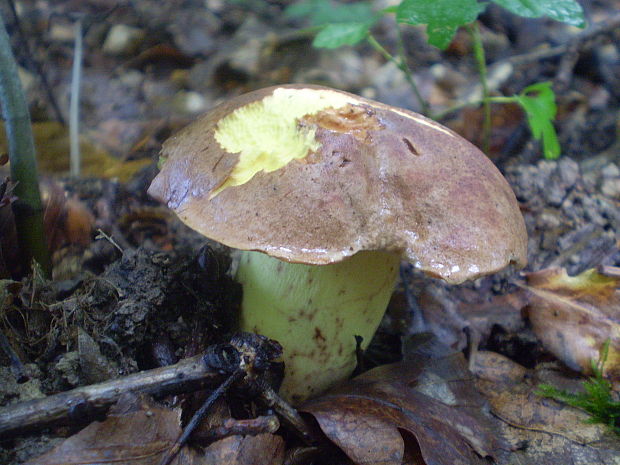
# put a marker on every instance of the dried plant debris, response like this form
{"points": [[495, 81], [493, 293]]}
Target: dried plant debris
{"points": [[89, 328]]}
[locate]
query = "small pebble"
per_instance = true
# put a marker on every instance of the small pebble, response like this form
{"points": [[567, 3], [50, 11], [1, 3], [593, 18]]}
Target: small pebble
{"points": [[190, 102], [122, 40]]}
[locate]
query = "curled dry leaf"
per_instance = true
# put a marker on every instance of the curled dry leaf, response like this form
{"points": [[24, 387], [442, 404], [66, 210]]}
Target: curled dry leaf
{"points": [[575, 316], [66, 219], [365, 418]]}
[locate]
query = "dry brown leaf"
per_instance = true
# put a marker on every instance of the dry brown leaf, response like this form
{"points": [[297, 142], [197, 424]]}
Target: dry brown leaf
{"points": [[138, 433], [575, 316], [505, 119], [365, 418], [246, 450], [497, 368], [541, 431], [529, 411], [66, 219]]}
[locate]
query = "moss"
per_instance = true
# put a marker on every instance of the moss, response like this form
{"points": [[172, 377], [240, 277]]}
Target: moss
{"points": [[597, 399]]}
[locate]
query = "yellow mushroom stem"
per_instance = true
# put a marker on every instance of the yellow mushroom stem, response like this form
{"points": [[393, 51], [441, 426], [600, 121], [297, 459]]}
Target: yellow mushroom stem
{"points": [[315, 312]]}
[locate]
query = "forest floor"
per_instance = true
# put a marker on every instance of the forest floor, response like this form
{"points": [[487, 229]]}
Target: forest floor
{"points": [[134, 289]]}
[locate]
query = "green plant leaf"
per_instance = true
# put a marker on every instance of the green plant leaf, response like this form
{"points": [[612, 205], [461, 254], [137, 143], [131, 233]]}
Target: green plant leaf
{"points": [[442, 17], [301, 9], [339, 34], [325, 12], [390, 9], [538, 101], [566, 11]]}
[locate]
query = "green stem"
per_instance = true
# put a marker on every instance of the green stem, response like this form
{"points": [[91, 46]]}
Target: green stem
{"points": [[474, 31], [28, 209], [401, 64], [409, 73]]}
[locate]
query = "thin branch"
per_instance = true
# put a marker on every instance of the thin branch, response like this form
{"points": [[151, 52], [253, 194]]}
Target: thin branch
{"points": [[401, 65], [188, 375], [474, 31], [199, 416], [425, 108], [289, 415]]}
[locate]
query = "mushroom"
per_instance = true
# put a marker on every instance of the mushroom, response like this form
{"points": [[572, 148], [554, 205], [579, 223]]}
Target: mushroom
{"points": [[325, 192]]}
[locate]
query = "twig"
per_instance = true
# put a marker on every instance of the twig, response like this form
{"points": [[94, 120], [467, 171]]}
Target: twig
{"points": [[402, 65], [199, 416], [425, 108], [289, 415], [102, 235], [586, 40], [188, 375], [233, 427]]}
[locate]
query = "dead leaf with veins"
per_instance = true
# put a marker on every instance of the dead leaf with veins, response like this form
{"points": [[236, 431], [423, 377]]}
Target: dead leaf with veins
{"points": [[541, 431], [574, 316], [386, 416]]}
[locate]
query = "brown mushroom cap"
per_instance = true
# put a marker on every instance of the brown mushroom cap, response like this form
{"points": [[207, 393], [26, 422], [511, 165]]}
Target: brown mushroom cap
{"points": [[381, 178]]}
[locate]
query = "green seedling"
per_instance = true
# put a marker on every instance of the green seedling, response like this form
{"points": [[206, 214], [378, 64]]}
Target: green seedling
{"points": [[597, 399], [341, 24]]}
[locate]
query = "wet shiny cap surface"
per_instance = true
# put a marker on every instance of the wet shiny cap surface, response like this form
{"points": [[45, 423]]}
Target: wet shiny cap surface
{"points": [[313, 175]]}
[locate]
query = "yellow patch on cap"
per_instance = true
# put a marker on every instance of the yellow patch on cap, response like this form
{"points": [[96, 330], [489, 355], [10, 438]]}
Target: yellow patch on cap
{"points": [[267, 135]]}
